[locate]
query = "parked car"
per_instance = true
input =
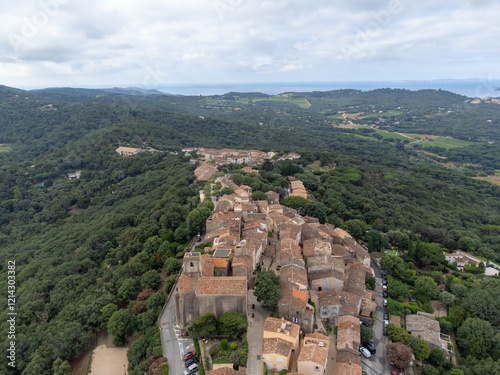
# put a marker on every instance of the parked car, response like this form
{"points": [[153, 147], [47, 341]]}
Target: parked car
{"points": [[385, 294], [384, 282], [384, 287], [385, 301], [386, 316], [384, 331], [191, 361], [396, 372], [386, 322], [364, 324], [370, 347], [193, 369], [365, 352], [189, 355]]}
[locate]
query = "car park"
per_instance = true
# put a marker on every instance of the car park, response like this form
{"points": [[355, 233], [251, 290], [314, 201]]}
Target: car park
{"points": [[366, 353], [189, 355], [385, 294], [370, 347]]}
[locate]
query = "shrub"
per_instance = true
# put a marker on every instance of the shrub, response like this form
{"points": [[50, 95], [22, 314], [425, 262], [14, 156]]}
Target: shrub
{"points": [[224, 344], [213, 351], [233, 346]]}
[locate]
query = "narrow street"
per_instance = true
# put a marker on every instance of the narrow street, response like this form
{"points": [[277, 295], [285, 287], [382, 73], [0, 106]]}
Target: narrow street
{"points": [[255, 335], [377, 364], [173, 347]]}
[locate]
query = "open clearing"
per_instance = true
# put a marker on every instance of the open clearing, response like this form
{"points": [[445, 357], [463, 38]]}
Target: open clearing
{"points": [[4, 148], [493, 179], [107, 359]]}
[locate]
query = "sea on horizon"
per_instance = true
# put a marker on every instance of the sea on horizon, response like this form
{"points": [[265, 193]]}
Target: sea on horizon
{"points": [[480, 88]]}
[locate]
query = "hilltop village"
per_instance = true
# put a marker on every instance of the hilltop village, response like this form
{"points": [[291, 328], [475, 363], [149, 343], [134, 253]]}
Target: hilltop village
{"points": [[322, 272]]}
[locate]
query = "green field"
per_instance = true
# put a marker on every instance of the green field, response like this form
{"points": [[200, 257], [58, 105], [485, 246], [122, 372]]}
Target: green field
{"points": [[336, 117], [383, 114], [387, 134], [301, 102], [445, 142], [4, 148]]}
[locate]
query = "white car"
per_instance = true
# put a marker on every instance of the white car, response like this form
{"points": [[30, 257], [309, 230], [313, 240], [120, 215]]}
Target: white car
{"points": [[386, 322], [385, 302], [365, 352]]}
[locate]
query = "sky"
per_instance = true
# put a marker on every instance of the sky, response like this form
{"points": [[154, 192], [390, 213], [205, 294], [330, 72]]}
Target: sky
{"points": [[156, 43]]}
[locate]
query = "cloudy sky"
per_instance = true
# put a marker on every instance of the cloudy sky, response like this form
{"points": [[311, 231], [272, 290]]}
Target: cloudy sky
{"points": [[156, 43]]}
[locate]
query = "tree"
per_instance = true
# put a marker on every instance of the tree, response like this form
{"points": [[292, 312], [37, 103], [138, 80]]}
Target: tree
{"points": [[455, 371], [107, 311], [370, 283], [429, 370], [151, 279], [426, 286], [475, 336], [259, 196], [127, 290], [267, 289], [232, 324], [399, 354], [204, 326], [119, 326], [172, 266], [169, 283], [423, 350], [457, 315], [156, 301], [227, 191], [427, 253], [484, 302], [196, 219], [398, 334], [224, 345], [437, 357], [356, 228], [394, 265], [60, 367], [376, 241], [366, 334], [447, 298]]}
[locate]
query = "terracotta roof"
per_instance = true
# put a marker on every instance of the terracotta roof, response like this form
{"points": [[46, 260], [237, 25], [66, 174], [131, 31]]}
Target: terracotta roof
{"points": [[299, 294], [317, 337], [293, 274], [243, 261], [277, 346], [348, 333], [342, 233], [186, 283], [281, 325], [348, 363], [223, 285], [313, 353], [207, 265], [221, 262], [325, 274]]}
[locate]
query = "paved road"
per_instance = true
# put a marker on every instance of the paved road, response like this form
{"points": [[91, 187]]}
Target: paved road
{"points": [[255, 335], [172, 345], [377, 364]]}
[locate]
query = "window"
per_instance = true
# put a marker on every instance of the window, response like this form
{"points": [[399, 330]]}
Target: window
{"points": [[326, 283], [268, 359], [326, 288], [338, 284], [280, 359]]}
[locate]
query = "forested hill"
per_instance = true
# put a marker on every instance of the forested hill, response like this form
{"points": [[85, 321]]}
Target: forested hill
{"points": [[101, 251]]}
